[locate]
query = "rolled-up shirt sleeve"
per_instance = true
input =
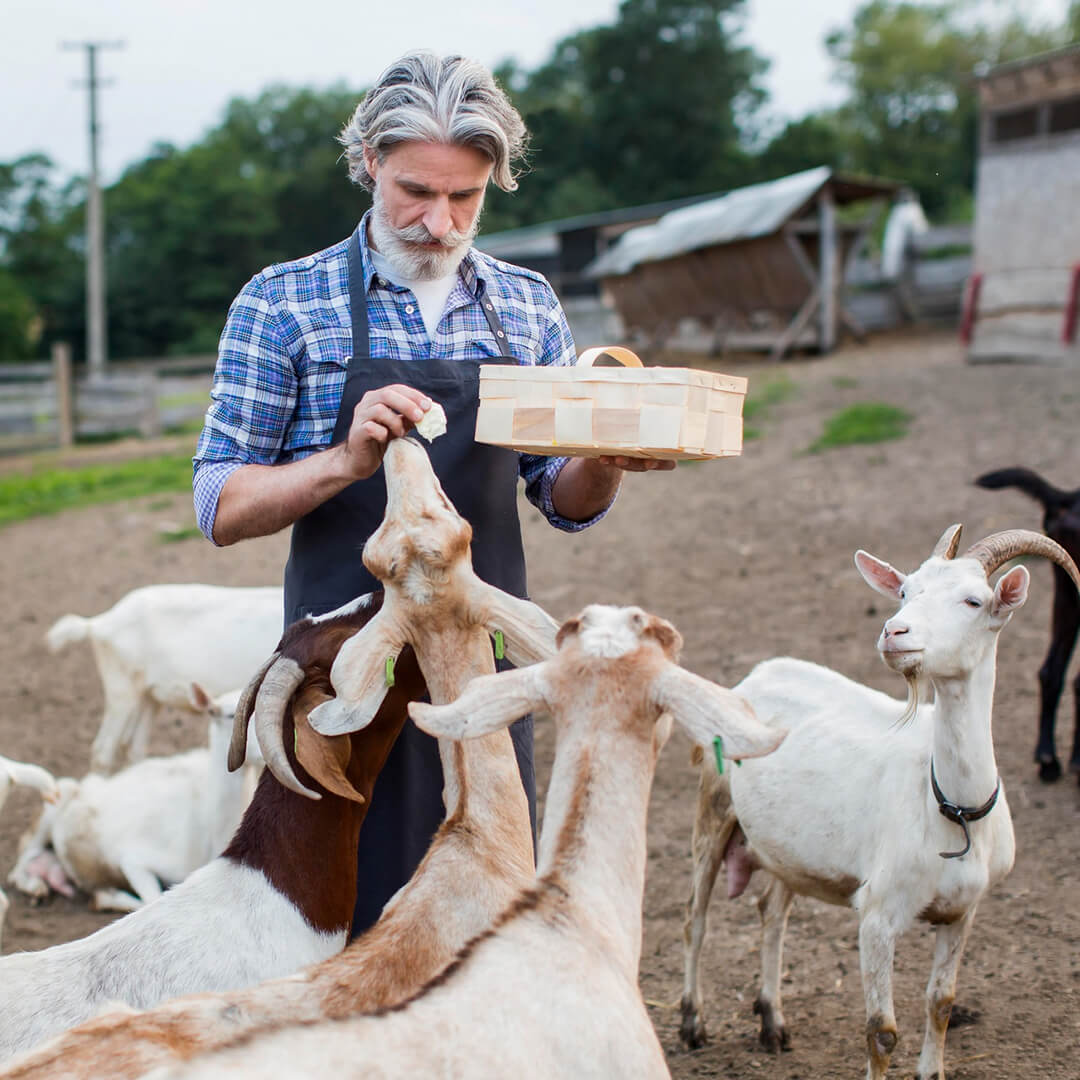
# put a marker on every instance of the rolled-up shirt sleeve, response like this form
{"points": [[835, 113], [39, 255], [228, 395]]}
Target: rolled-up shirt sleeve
{"points": [[252, 399], [538, 471]]}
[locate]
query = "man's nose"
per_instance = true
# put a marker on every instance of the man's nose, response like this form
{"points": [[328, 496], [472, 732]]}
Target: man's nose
{"points": [[437, 219]]}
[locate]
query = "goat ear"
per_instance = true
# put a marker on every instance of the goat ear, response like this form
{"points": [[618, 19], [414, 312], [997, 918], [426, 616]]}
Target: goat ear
{"points": [[200, 700], [487, 704], [359, 678], [324, 758], [880, 576], [706, 710], [1011, 591], [568, 629], [665, 635], [528, 631]]}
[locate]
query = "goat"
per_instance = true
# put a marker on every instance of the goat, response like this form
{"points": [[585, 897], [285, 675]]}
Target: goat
{"points": [[1061, 522], [153, 643], [551, 988], [14, 773], [479, 860], [120, 838], [280, 897], [865, 802]]}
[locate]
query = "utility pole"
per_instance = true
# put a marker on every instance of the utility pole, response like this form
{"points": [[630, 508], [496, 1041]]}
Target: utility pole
{"points": [[95, 219]]}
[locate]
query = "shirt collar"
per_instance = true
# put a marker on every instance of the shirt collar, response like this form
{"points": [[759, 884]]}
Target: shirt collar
{"points": [[468, 271]]}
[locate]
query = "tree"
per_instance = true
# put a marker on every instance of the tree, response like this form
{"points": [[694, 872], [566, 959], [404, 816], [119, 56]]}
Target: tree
{"points": [[639, 111], [910, 71]]}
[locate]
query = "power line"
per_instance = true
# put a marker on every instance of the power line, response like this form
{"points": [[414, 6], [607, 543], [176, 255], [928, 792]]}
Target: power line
{"points": [[95, 217]]}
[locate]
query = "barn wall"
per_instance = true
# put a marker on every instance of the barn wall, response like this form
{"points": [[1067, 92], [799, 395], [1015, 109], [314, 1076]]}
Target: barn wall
{"points": [[1027, 240]]}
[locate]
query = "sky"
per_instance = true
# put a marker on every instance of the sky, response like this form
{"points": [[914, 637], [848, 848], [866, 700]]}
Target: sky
{"points": [[182, 60]]}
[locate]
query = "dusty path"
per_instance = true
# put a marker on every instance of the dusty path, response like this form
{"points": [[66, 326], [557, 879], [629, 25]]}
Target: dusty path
{"points": [[750, 558]]}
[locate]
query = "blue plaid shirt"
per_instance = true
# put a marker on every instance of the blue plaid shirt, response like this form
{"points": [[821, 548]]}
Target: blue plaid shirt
{"points": [[281, 361]]}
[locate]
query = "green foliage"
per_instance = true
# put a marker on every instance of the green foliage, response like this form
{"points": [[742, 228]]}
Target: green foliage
{"points": [[909, 67], [51, 490], [771, 393], [19, 324], [865, 422], [175, 536]]}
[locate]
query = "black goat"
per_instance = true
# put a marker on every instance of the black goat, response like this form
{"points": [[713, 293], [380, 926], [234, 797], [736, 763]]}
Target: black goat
{"points": [[1061, 522]]}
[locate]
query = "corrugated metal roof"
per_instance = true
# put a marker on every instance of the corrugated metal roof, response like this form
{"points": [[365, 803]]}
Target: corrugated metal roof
{"points": [[757, 210]]}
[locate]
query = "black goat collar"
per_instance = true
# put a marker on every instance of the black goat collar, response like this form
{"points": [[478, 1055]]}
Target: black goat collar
{"points": [[961, 815]]}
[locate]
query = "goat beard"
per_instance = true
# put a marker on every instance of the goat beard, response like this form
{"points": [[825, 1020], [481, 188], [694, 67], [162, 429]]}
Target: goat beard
{"points": [[401, 247], [912, 707]]}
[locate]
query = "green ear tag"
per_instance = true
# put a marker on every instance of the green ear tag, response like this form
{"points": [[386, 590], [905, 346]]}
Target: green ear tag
{"points": [[718, 749], [389, 671], [500, 645]]}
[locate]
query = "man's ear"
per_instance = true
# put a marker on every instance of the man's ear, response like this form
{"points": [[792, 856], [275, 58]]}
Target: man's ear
{"points": [[371, 161]]}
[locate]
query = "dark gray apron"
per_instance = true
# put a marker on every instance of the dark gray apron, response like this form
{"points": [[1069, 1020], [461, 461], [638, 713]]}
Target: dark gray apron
{"points": [[325, 571]]}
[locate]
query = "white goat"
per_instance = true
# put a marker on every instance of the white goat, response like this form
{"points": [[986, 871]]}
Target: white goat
{"points": [[897, 812], [280, 897], [11, 774], [551, 989], [482, 855], [153, 643], [120, 838]]}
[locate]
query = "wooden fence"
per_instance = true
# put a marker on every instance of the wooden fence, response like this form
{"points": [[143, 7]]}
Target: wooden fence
{"points": [[46, 404]]}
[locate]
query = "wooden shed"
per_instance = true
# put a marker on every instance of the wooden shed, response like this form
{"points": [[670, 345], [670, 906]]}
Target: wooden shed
{"points": [[1023, 294], [762, 266]]}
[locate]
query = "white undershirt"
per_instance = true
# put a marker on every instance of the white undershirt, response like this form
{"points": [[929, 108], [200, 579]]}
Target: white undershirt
{"points": [[430, 295]]}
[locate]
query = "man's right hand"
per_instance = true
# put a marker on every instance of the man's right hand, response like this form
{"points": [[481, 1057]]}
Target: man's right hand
{"points": [[381, 415]]}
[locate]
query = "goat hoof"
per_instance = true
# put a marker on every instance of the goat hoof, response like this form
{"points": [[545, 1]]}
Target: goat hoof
{"points": [[962, 1017], [773, 1036], [1049, 771], [692, 1029]]}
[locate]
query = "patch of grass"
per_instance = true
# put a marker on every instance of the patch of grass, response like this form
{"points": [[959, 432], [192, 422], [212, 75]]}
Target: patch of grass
{"points": [[51, 490], [865, 422], [188, 397], [749, 433], [845, 382], [771, 393], [174, 536]]}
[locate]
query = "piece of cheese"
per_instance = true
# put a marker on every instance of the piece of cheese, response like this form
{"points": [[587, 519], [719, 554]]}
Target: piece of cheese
{"points": [[433, 423]]}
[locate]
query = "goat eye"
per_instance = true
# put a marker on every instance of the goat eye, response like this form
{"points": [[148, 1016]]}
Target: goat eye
{"points": [[973, 603]]}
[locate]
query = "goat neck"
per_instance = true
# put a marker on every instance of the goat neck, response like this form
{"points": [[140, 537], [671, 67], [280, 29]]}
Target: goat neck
{"points": [[593, 842]]}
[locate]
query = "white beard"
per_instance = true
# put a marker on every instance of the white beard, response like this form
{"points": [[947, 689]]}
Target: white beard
{"points": [[400, 246]]}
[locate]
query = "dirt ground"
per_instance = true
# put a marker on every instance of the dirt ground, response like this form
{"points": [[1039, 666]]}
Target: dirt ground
{"points": [[750, 558]]}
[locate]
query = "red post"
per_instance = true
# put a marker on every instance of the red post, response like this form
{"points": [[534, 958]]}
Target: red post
{"points": [[971, 305], [1072, 302]]}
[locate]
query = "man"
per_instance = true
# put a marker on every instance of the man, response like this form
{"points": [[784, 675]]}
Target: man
{"points": [[323, 360]]}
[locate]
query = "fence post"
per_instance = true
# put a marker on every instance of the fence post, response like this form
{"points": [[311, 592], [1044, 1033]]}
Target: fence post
{"points": [[65, 403]]}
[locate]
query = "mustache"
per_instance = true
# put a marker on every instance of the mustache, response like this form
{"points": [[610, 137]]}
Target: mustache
{"points": [[418, 234]]}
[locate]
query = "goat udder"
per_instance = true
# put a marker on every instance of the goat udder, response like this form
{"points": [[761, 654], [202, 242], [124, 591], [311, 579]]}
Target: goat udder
{"points": [[737, 863]]}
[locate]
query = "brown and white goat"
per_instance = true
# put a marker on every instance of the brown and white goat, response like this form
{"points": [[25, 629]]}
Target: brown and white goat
{"points": [[480, 858], [1061, 522], [280, 897], [551, 988]]}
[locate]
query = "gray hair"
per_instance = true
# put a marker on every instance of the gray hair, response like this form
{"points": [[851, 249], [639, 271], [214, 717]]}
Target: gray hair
{"points": [[426, 98]]}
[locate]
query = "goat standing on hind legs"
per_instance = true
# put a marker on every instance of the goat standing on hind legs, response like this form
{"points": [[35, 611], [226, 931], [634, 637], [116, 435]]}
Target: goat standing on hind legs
{"points": [[1061, 522], [897, 812]]}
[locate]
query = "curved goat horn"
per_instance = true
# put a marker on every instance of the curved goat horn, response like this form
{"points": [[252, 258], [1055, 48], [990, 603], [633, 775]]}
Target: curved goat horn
{"points": [[244, 706], [278, 685], [998, 548], [949, 542]]}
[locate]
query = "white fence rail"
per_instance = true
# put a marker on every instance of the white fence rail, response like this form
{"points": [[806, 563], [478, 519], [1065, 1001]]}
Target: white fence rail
{"points": [[45, 404]]}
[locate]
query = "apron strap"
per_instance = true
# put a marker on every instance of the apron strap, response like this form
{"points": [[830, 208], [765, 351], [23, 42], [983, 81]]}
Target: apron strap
{"points": [[358, 307]]}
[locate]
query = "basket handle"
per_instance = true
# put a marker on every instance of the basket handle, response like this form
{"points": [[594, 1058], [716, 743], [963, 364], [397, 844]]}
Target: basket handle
{"points": [[616, 352]]}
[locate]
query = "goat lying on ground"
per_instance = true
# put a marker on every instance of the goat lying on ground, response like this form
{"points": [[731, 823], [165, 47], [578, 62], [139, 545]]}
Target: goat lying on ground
{"points": [[551, 988], [868, 803], [1061, 522], [481, 857], [121, 838], [280, 897], [11, 774], [153, 643]]}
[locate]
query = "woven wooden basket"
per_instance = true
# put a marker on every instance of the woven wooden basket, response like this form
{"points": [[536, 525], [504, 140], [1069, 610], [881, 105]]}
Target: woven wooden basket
{"points": [[635, 411]]}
